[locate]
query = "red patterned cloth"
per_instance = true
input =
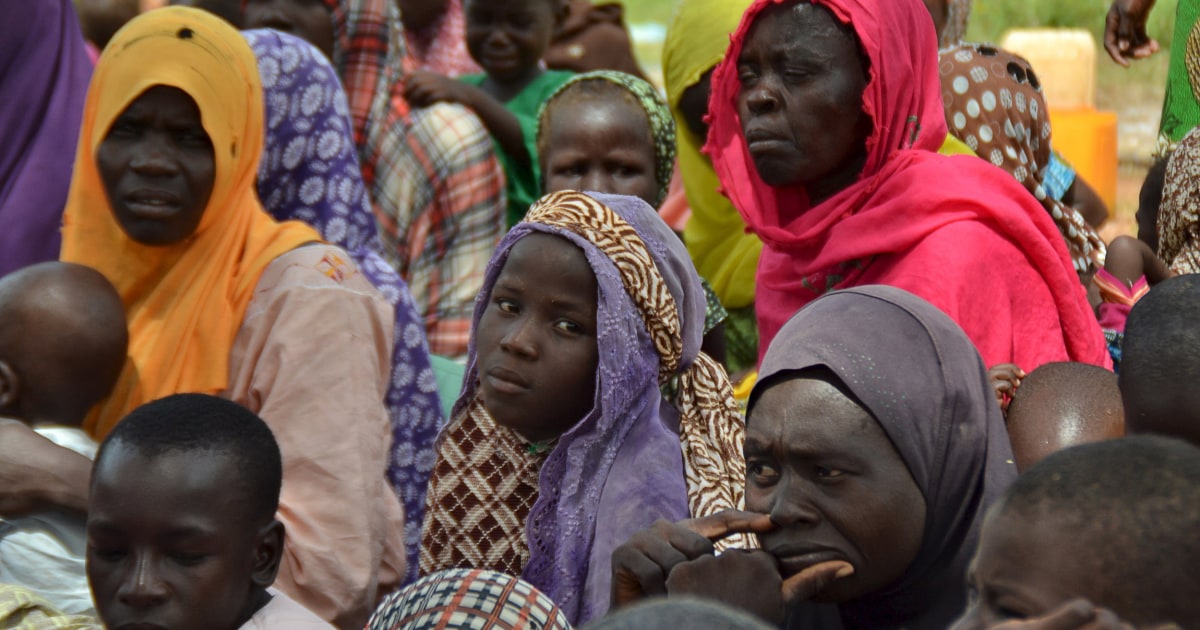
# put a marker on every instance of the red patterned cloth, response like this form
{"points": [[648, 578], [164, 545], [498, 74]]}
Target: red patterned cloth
{"points": [[442, 46]]}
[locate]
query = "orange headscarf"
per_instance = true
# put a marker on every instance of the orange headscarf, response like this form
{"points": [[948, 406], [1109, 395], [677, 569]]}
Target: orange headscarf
{"points": [[186, 301]]}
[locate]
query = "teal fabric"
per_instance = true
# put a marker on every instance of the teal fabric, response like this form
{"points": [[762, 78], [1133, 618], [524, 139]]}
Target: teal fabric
{"points": [[449, 374]]}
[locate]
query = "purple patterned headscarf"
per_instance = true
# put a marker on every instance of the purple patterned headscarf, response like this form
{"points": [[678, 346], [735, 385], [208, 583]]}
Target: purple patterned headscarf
{"points": [[44, 75], [310, 172], [620, 468]]}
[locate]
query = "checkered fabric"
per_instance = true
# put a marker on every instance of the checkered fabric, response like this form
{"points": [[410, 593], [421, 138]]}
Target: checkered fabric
{"points": [[469, 599], [437, 189]]}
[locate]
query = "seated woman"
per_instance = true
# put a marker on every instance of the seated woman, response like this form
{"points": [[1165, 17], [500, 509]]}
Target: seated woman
{"points": [[437, 189], [223, 300], [43, 85], [843, 200], [562, 443], [873, 451], [310, 172]]}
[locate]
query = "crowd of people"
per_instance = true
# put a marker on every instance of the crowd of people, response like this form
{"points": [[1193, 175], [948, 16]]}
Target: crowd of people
{"points": [[398, 314]]}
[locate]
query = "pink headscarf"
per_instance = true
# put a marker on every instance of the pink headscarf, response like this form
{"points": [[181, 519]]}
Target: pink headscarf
{"points": [[956, 231]]}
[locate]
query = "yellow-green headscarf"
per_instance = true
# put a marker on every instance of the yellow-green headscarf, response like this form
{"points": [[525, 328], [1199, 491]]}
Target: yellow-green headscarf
{"points": [[716, 237]]}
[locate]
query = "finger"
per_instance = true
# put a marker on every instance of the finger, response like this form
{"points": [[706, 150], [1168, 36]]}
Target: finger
{"points": [[1108, 620], [635, 577], [723, 524], [1070, 616], [807, 583]]}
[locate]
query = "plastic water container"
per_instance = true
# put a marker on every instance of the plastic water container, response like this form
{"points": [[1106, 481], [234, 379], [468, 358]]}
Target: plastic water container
{"points": [[1064, 60]]}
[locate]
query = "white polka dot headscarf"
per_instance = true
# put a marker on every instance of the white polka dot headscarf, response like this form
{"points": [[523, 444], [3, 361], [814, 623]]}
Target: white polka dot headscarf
{"points": [[994, 104]]}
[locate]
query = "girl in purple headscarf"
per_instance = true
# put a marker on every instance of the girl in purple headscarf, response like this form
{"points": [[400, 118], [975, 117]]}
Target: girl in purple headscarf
{"points": [[310, 172], [44, 75], [562, 443]]}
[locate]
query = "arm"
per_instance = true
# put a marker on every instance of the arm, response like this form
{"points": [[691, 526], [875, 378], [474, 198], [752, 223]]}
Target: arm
{"points": [[1129, 258], [37, 475], [424, 88], [313, 359], [1125, 35]]}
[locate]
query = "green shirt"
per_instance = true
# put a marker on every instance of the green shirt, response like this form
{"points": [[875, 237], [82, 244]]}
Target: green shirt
{"points": [[524, 185]]}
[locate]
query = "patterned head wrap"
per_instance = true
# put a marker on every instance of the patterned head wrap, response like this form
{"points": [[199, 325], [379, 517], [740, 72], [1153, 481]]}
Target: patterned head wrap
{"points": [[471, 599], [623, 460], [310, 173], [994, 104], [662, 125], [1179, 213]]}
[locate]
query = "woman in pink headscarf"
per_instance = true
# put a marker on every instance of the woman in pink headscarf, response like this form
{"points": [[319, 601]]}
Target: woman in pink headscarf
{"points": [[826, 119]]}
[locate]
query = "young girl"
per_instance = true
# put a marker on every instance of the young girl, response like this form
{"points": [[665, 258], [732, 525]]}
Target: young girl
{"points": [[611, 132], [508, 40], [562, 445]]}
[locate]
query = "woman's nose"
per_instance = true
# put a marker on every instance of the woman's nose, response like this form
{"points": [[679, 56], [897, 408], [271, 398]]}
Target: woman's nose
{"points": [[792, 506], [762, 98], [518, 339], [154, 156]]}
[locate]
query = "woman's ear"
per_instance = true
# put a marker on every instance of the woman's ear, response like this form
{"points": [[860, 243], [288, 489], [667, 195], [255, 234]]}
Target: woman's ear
{"points": [[268, 554], [10, 386]]}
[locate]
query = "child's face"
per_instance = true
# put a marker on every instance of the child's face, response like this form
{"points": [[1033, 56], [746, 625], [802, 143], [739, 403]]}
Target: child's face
{"points": [[1023, 568], [536, 341], [166, 545], [508, 37], [605, 146], [310, 20]]}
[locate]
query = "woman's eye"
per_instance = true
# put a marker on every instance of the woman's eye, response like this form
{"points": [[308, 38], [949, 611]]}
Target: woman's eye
{"points": [[124, 128], [571, 170], [188, 559], [762, 472], [569, 326], [194, 139], [746, 75], [828, 473], [506, 306]]}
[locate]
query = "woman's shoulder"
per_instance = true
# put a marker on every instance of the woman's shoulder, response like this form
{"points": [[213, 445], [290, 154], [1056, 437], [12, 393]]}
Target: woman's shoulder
{"points": [[313, 268]]}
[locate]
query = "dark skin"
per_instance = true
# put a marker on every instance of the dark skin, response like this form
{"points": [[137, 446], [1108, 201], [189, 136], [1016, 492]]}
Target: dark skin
{"points": [[824, 475], [1125, 36], [1149, 199], [536, 341], [1031, 576], [228, 10], [693, 104], [309, 20], [939, 13], [1087, 201], [507, 40], [418, 15], [158, 168], [176, 541], [1129, 259], [601, 146], [800, 101], [1005, 379]]}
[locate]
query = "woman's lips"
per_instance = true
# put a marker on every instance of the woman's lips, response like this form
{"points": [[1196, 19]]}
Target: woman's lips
{"points": [[153, 204], [506, 381], [792, 562]]}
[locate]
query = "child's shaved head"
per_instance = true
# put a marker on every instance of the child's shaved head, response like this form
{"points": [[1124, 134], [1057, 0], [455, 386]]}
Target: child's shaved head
{"points": [[1160, 366], [1113, 522], [1060, 405], [63, 342]]}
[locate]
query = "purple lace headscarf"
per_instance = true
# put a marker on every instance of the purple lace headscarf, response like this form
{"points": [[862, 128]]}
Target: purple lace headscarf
{"points": [[310, 172], [923, 381], [44, 75], [621, 467]]}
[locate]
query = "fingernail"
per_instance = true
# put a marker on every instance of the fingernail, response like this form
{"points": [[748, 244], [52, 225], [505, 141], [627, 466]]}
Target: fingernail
{"points": [[844, 572]]}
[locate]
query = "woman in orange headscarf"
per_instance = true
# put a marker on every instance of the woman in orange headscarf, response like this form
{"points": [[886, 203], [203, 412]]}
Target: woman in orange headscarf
{"points": [[223, 300]]}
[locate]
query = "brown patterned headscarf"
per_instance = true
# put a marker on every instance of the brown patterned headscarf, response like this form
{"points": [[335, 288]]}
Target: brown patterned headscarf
{"points": [[635, 457], [994, 104], [1179, 213]]}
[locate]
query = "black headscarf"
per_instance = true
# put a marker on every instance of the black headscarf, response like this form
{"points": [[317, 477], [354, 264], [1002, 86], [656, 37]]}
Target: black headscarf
{"points": [[920, 377]]}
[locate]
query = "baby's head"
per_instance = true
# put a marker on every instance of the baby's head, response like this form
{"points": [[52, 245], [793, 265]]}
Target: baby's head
{"points": [[1112, 522], [1160, 362], [1060, 405], [607, 132], [63, 341], [507, 38], [181, 521]]}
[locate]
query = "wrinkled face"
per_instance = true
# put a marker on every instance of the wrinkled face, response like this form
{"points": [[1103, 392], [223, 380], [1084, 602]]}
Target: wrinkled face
{"points": [[158, 167], [536, 341], [418, 15], [800, 102], [600, 146], [1022, 569], [309, 20], [166, 546], [831, 480], [507, 38]]}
